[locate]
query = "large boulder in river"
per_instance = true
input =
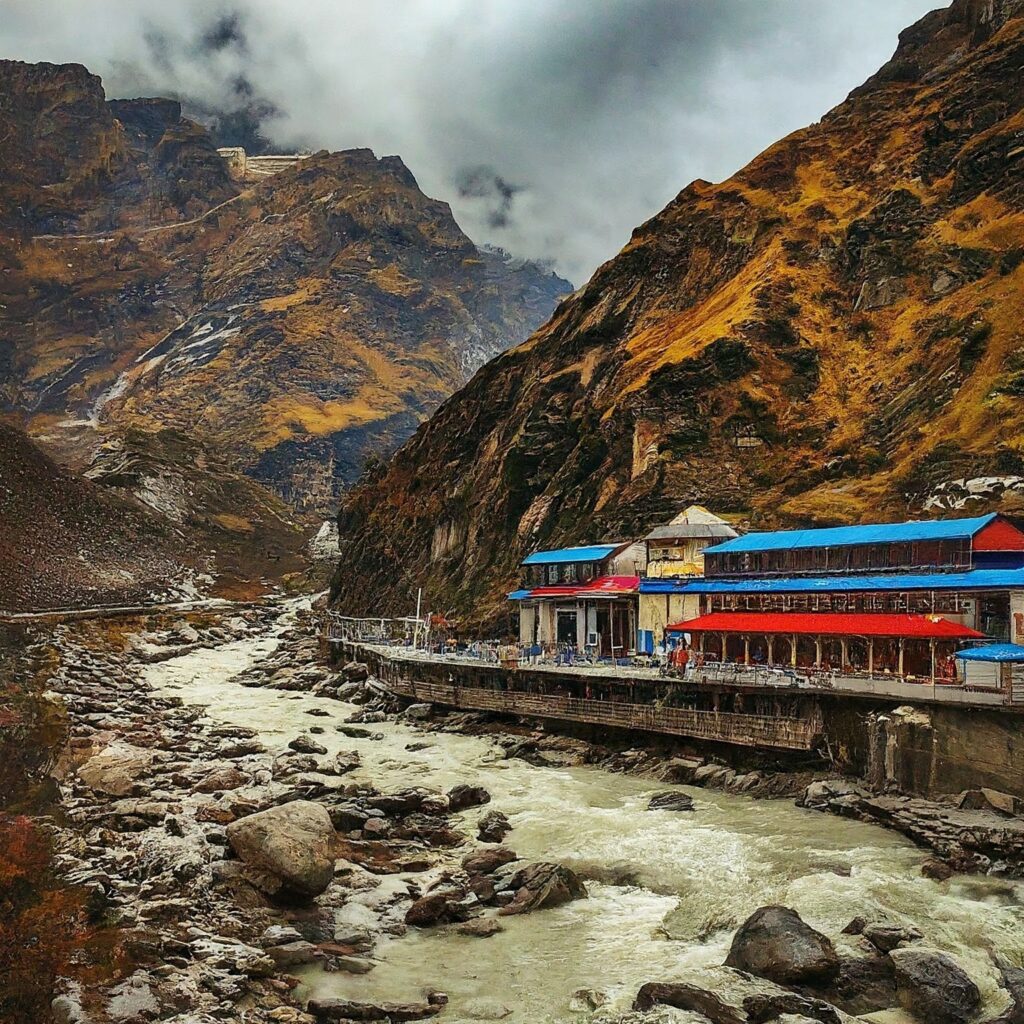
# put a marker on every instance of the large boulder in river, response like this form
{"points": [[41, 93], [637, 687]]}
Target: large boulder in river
{"points": [[775, 943], [934, 987], [287, 848], [543, 885]]}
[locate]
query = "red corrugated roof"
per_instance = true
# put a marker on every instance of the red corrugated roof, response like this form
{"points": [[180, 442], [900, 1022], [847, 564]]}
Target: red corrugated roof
{"points": [[925, 627], [609, 586]]}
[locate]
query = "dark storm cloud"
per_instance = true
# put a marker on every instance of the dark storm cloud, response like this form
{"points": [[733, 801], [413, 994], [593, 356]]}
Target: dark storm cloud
{"points": [[552, 126]]}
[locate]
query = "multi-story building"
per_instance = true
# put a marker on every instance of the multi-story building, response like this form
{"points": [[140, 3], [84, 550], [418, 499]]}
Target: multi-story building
{"points": [[896, 598], [583, 597], [675, 552]]}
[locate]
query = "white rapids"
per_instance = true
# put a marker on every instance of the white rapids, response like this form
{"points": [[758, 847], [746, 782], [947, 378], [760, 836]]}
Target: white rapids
{"points": [[666, 889]]}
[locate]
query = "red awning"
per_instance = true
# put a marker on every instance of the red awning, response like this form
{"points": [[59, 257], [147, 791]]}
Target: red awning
{"points": [[603, 586], [924, 627]]}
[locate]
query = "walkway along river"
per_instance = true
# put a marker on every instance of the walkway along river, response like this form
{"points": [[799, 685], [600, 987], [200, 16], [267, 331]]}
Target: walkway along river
{"points": [[667, 889]]}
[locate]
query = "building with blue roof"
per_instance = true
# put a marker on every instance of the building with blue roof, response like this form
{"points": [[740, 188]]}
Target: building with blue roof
{"points": [[967, 573]]}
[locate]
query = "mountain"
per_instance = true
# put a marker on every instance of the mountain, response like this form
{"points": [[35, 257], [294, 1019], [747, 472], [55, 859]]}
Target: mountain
{"points": [[295, 326], [830, 336], [68, 542]]}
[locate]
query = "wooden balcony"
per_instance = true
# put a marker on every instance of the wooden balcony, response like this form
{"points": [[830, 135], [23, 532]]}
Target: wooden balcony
{"points": [[769, 731]]}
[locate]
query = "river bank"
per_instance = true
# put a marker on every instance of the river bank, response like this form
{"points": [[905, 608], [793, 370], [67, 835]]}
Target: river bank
{"points": [[179, 734]]}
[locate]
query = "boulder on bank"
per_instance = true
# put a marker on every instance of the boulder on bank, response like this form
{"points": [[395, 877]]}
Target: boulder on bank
{"points": [[543, 885], [775, 943], [355, 672], [288, 848], [934, 987], [305, 744], [117, 769], [671, 800]]}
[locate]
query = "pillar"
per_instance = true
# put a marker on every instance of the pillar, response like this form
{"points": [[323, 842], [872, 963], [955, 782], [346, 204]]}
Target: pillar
{"points": [[725, 640], [931, 650], [817, 652], [746, 650], [871, 656], [844, 654], [771, 649], [700, 642], [899, 670], [792, 650]]}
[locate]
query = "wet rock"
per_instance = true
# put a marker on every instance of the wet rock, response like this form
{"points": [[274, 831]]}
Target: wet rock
{"points": [[305, 744], [670, 801], [764, 1007], [493, 827], [289, 847], [345, 1010], [937, 869], [349, 964], [485, 862], [346, 761], [442, 907], [934, 987], [355, 732], [1012, 979], [688, 997], [462, 796], [537, 886], [586, 1000], [776, 944], [481, 928], [408, 801], [887, 937]]}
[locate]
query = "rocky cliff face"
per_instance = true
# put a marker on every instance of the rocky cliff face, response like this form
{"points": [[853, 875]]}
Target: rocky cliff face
{"points": [[832, 335], [295, 327]]}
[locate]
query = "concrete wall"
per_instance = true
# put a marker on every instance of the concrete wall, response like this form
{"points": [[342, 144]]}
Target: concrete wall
{"points": [[660, 610]]}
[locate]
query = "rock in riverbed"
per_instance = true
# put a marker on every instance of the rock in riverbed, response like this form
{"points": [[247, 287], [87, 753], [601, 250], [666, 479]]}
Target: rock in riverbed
{"points": [[493, 827], [775, 943], [670, 801], [287, 848], [934, 987], [543, 885]]}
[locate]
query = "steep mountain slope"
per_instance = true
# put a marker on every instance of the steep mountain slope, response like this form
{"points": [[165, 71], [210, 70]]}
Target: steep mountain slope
{"points": [[67, 542], [831, 335], [297, 326]]}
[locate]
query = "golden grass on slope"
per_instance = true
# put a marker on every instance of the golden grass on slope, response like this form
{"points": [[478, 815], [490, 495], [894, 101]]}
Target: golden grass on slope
{"points": [[291, 416]]}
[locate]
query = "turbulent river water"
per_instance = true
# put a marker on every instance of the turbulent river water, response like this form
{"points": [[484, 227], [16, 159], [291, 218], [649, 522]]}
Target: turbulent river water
{"points": [[666, 889]]}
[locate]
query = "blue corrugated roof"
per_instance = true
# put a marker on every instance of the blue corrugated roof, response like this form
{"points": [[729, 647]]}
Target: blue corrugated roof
{"points": [[593, 553], [975, 579], [519, 595], [993, 652], [844, 536]]}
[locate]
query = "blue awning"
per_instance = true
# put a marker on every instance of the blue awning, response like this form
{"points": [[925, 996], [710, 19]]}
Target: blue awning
{"points": [[519, 595], [993, 652], [591, 553], [975, 579], [844, 536]]}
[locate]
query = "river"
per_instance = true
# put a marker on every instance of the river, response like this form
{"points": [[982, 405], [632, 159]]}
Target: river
{"points": [[666, 889]]}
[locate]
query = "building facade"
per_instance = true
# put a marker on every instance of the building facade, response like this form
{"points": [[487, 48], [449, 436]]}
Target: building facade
{"points": [[675, 552], [898, 598], [583, 597]]}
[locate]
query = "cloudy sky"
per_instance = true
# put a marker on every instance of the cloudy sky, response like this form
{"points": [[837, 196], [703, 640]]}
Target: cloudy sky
{"points": [[553, 127]]}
